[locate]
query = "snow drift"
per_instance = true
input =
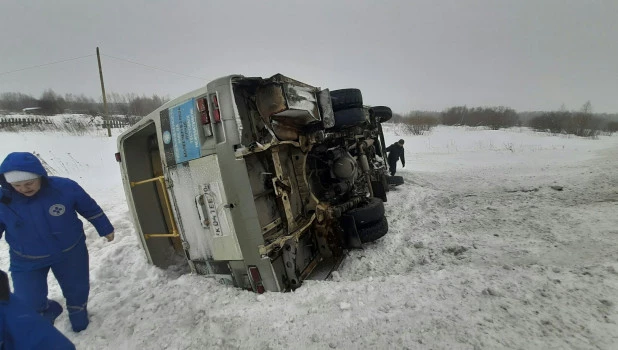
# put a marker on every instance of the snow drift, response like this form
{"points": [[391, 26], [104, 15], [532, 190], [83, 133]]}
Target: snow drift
{"points": [[498, 239]]}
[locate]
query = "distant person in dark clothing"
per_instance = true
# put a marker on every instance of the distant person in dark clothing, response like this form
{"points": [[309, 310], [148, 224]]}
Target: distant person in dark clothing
{"points": [[395, 153]]}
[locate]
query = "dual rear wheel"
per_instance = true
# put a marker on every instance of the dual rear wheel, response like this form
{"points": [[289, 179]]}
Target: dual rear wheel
{"points": [[349, 111], [369, 219]]}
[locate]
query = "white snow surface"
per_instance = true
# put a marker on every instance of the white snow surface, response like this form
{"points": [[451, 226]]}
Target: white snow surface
{"points": [[482, 253]]}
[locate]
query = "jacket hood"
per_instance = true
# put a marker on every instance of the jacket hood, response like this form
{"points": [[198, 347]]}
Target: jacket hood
{"points": [[23, 161]]}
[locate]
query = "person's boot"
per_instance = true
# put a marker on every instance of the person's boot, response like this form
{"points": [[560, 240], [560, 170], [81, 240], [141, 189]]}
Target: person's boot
{"points": [[53, 310], [78, 315]]}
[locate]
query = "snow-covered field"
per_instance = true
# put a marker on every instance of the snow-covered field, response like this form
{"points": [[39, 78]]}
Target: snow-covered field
{"points": [[498, 239]]}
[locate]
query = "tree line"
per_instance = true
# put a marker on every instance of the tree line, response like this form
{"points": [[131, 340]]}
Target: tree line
{"points": [[582, 122], [51, 103]]}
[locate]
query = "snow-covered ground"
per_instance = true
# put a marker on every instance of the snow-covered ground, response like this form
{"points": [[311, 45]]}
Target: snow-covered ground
{"points": [[498, 239]]}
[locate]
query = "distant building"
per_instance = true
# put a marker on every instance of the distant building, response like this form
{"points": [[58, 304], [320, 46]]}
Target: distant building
{"points": [[31, 110]]}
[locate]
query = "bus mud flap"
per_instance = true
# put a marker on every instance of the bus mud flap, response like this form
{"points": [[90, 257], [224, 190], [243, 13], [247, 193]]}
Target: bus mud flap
{"points": [[351, 239]]}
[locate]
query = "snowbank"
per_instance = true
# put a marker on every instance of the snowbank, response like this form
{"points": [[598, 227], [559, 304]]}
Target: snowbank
{"points": [[498, 239]]}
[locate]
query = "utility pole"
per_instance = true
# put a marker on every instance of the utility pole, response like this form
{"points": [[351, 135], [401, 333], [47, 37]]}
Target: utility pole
{"points": [[105, 115]]}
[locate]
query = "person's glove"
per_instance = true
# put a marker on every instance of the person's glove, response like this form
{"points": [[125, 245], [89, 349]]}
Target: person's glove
{"points": [[403, 165], [110, 237]]}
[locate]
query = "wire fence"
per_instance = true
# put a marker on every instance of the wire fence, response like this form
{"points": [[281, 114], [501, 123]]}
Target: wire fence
{"points": [[42, 122], [115, 124], [5, 122]]}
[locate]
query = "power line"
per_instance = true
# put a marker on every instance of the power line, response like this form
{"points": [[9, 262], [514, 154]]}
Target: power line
{"points": [[153, 67], [110, 56], [45, 64]]}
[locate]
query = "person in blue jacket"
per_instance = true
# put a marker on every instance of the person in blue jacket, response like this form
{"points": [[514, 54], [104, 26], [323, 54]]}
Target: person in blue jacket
{"points": [[38, 214], [22, 328]]}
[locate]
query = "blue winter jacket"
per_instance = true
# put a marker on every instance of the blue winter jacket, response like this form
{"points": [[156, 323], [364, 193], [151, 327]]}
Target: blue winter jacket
{"points": [[41, 227], [21, 328]]}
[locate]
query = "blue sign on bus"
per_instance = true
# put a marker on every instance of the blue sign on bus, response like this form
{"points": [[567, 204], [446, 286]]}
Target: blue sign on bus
{"points": [[185, 137]]}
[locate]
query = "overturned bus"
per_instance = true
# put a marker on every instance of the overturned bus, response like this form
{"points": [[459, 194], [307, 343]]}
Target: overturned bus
{"points": [[260, 183]]}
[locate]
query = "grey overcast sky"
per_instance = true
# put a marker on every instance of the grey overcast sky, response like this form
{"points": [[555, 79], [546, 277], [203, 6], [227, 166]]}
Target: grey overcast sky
{"points": [[409, 55]]}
